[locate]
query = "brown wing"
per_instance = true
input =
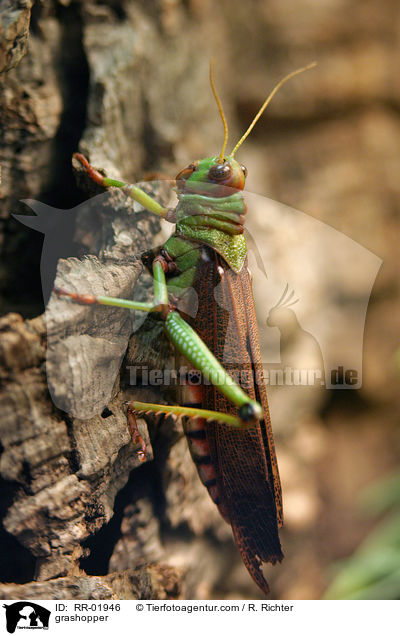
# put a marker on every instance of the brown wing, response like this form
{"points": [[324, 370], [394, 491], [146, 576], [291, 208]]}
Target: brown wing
{"points": [[245, 461]]}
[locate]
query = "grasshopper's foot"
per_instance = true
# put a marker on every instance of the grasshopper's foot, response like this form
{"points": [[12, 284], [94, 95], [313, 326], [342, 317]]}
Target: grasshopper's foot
{"points": [[135, 435], [81, 299], [93, 174]]}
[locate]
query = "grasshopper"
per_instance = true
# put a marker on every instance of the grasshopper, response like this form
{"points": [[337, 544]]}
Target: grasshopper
{"points": [[227, 423]]}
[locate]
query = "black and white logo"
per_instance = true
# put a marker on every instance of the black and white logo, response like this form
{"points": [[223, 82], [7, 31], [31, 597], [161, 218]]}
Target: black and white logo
{"points": [[26, 615]]}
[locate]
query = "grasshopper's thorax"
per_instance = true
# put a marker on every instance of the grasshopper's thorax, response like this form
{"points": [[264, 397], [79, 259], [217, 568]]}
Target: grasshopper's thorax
{"points": [[211, 207]]}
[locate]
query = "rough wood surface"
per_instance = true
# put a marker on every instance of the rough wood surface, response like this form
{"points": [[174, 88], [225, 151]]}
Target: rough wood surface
{"points": [[149, 582], [14, 24], [68, 471]]}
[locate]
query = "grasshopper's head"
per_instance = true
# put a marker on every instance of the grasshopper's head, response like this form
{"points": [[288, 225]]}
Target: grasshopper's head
{"points": [[223, 175], [212, 176]]}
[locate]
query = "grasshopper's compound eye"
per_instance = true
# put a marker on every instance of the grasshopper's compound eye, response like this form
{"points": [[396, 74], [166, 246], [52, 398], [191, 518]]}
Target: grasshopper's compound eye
{"points": [[244, 170], [220, 172]]}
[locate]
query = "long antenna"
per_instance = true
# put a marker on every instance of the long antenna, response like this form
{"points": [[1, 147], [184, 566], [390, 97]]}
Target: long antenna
{"points": [[221, 112], [267, 101]]}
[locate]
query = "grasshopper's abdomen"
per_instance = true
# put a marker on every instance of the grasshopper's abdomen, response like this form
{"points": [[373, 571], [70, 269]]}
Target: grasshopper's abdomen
{"points": [[196, 434]]}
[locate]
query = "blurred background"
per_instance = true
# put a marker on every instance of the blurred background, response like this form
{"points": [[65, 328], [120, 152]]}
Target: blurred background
{"points": [[128, 83]]}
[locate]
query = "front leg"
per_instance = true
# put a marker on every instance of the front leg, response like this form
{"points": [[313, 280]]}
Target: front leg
{"points": [[133, 191]]}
